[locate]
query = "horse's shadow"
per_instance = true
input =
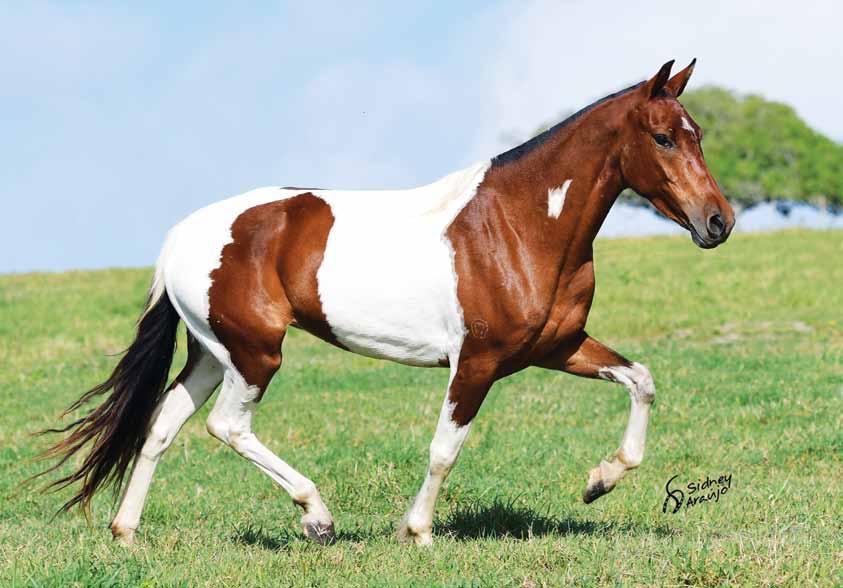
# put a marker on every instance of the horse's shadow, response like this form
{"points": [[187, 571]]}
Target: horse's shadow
{"points": [[507, 520], [282, 539], [500, 519], [495, 520]]}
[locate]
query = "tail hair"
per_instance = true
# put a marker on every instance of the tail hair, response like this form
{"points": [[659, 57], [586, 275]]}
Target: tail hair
{"points": [[117, 428]]}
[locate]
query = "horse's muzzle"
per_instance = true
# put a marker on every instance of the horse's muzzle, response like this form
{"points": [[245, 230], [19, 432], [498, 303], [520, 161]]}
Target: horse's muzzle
{"points": [[716, 232], [713, 227]]}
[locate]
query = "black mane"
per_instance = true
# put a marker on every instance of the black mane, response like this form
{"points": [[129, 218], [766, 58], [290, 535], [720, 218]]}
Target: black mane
{"points": [[520, 151]]}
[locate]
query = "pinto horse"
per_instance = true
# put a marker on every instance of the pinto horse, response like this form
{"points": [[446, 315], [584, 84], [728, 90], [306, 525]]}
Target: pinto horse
{"points": [[485, 272]]}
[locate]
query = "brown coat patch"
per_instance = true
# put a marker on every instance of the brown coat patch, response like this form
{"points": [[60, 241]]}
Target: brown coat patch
{"points": [[526, 278], [266, 281]]}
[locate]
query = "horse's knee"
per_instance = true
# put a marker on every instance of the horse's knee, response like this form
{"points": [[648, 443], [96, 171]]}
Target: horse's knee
{"points": [[636, 378], [644, 389]]}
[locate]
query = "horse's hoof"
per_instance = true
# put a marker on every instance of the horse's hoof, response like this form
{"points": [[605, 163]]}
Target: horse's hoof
{"points": [[597, 485], [123, 535], [406, 535], [594, 491], [321, 533]]}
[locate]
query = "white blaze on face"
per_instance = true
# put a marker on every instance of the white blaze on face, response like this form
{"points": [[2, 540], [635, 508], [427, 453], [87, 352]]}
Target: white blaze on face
{"points": [[686, 124], [556, 199]]}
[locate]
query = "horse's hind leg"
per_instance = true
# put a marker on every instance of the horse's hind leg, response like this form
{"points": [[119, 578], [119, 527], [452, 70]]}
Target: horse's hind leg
{"points": [[230, 421], [189, 391]]}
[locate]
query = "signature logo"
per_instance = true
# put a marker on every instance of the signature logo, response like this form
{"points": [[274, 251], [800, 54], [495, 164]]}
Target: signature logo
{"points": [[695, 492]]}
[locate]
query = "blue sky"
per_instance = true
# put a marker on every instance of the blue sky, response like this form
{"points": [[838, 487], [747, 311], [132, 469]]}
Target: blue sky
{"points": [[118, 121]]}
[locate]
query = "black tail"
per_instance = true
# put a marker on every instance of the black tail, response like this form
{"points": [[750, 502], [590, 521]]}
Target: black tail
{"points": [[117, 428]]}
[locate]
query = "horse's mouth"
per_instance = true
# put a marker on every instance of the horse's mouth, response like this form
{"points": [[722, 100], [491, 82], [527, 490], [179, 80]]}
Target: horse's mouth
{"points": [[702, 242]]}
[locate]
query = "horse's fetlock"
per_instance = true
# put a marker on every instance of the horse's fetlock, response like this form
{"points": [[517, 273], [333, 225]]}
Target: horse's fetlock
{"points": [[305, 494], [630, 458], [419, 527]]}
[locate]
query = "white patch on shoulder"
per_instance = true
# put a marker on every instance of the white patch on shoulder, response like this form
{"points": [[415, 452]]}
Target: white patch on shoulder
{"points": [[387, 282], [686, 124], [556, 199]]}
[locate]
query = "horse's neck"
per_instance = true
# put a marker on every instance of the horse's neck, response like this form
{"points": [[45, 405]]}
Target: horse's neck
{"points": [[563, 190]]}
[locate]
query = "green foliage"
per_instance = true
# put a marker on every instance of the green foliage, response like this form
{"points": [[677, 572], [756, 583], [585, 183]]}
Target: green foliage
{"points": [[758, 149], [748, 363]]}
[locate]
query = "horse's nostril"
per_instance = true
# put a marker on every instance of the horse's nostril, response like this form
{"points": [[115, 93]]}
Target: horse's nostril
{"points": [[716, 226]]}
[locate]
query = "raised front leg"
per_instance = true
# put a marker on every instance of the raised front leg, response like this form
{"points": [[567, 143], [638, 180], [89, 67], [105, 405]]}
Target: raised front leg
{"points": [[589, 358]]}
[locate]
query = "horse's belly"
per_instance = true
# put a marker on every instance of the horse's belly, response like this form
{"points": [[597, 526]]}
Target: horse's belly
{"points": [[390, 292]]}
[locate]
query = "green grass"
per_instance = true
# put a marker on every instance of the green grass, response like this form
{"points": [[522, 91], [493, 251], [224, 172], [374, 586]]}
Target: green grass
{"points": [[744, 343]]}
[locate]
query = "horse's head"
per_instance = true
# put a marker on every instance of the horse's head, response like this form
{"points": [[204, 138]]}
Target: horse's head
{"points": [[662, 160]]}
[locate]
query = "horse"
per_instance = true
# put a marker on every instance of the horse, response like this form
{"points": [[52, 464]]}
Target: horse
{"points": [[485, 272]]}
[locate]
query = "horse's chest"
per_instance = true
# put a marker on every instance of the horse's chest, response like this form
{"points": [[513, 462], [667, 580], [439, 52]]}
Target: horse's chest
{"points": [[570, 308], [388, 289]]}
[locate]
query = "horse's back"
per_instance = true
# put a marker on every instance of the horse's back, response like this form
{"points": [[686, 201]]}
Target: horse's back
{"points": [[371, 271]]}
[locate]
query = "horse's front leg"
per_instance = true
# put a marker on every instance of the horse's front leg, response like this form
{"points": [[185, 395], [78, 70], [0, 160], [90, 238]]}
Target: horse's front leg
{"points": [[589, 358], [470, 381]]}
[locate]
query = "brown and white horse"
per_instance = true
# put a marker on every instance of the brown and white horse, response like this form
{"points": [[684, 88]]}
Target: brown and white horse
{"points": [[485, 272]]}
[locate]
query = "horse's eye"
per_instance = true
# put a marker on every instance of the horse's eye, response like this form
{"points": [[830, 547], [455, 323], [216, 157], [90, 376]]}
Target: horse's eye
{"points": [[662, 141]]}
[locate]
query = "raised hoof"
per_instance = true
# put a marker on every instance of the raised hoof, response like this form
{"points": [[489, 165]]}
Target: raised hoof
{"points": [[602, 480], [594, 491], [321, 533]]}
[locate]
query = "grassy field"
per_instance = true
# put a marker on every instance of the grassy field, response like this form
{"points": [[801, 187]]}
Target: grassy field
{"points": [[746, 347]]}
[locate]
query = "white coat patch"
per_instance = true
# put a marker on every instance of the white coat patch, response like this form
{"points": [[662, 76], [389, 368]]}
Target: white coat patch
{"points": [[192, 251], [556, 199], [387, 282]]}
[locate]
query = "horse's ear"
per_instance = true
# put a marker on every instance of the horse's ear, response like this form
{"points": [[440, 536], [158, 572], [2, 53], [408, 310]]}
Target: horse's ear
{"points": [[677, 83], [654, 86]]}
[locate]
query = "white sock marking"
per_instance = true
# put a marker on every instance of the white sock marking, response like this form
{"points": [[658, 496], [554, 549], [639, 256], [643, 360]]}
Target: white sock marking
{"points": [[444, 449], [637, 379]]}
